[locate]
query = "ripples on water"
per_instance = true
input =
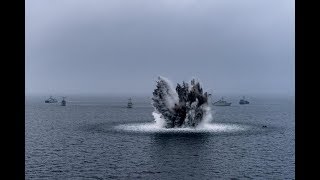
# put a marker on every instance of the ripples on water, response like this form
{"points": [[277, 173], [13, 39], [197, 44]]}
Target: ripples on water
{"points": [[105, 140]]}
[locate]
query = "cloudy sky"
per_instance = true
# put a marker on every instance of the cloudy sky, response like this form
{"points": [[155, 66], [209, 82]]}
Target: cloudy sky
{"points": [[122, 46]]}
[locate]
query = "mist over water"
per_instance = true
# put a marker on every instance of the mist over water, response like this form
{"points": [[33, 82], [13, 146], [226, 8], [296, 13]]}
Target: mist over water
{"points": [[104, 46]]}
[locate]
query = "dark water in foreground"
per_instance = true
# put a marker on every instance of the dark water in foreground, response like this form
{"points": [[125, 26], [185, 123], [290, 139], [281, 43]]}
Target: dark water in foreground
{"points": [[80, 141]]}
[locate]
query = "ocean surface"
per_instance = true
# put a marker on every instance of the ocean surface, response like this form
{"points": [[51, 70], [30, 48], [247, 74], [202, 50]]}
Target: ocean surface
{"points": [[99, 138]]}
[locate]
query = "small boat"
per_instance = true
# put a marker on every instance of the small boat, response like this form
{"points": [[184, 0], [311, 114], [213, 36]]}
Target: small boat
{"points": [[243, 101], [51, 100], [63, 102], [129, 103], [221, 102]]}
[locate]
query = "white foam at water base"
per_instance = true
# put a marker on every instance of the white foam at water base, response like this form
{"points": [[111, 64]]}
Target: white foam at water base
{"points": [[154, 127]]}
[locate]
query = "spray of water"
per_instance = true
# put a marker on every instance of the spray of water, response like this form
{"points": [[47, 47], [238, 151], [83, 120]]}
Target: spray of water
{"points": [[184, 106], [183, 109], [205, 128]]}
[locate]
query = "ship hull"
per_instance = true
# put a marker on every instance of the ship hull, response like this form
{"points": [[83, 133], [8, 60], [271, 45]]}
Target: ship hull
{"points": [[243, 102], [228, 104], [50, 101]]}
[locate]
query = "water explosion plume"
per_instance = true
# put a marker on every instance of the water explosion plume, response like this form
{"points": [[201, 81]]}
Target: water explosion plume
{"points": [[184, 106]]}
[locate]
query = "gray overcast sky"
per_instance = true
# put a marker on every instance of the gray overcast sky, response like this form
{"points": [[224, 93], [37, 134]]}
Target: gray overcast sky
{"points": [[121, 46]]}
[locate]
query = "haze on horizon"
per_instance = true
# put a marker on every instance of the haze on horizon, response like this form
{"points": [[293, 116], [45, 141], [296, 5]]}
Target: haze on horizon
{"points": [[122, 46]]}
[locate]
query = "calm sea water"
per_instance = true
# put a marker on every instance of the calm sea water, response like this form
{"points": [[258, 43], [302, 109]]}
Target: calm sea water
{"points": [[81, 141]]}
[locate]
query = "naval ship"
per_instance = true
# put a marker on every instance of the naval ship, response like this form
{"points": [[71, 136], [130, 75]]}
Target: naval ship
{"points": [[51, 100], [129, 103], [221, 102], [243, 101]]}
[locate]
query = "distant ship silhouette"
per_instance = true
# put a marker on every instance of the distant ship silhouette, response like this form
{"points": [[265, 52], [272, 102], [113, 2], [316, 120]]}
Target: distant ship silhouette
{"points": [[130, 104], [51, 100], [63, 102], [243, 101], [221, 102]]}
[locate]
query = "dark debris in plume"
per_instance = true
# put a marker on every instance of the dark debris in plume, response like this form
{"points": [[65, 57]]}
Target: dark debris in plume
{"points": [[190, 108]]}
